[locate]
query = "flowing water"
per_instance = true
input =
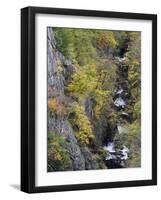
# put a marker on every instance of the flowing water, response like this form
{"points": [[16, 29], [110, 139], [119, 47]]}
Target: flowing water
{"points": [[117, 156]]}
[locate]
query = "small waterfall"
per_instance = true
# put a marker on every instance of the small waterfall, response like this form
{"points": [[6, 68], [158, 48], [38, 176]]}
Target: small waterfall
{"points": [[117, 155], [115, 158], [120, 97], [120, 103], [110, 147]]}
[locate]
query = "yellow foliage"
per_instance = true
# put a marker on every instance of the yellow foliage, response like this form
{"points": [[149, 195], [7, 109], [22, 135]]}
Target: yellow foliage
{"points": [[84, 80], [84, 133], [58, 156], [106, 39], [102, 97]]}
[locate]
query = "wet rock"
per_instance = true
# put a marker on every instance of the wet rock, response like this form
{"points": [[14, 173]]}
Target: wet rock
{"points": [[90, 160], [116, 158], [113, 163]]}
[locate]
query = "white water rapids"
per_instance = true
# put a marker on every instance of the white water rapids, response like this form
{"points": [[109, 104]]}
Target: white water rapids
{"points": [[121, 154]]}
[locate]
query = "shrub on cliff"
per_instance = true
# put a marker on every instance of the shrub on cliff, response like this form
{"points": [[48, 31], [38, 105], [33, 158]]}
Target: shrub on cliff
{"points": [[55, 106], [58, 156], [80, 123]]}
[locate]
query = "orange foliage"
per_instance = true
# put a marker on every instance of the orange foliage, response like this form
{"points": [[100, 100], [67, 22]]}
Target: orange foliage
{"points": [[57, 107]]}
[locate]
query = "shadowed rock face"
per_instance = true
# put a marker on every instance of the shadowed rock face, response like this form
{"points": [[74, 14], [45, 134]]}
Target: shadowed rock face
{"points": [[59, 68], [88, 108]]}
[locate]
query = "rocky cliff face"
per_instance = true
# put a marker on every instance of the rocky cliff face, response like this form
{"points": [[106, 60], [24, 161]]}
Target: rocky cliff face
{"points": [[59, 73], [58, 69]]}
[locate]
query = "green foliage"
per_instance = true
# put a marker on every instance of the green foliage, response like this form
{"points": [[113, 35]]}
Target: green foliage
{"points": [[80, 123], [135, 158], [131, 138], [100, 98], [76, 44], [113, 119], [137, 110], [81, 45], [106, 39], [86, 52], [133, 133], [133, 59], [84, 80], [133, 72], [58, 156], [64, 38], [96, 82], [133, 141]]}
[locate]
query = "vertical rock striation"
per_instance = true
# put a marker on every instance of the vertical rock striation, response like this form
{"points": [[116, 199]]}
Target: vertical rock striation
{"points": [[59, 70]]}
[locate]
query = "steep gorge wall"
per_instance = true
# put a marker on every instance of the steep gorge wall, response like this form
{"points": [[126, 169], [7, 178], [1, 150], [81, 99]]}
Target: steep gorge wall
{"points": [[56, 82], [59, 73]]}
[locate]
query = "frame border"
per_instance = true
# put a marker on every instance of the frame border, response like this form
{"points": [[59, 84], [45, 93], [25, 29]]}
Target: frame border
{"points": [[28, 98]]}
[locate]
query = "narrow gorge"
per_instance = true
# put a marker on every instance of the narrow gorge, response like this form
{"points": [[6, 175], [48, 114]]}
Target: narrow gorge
{"points": [[93, 99]]}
